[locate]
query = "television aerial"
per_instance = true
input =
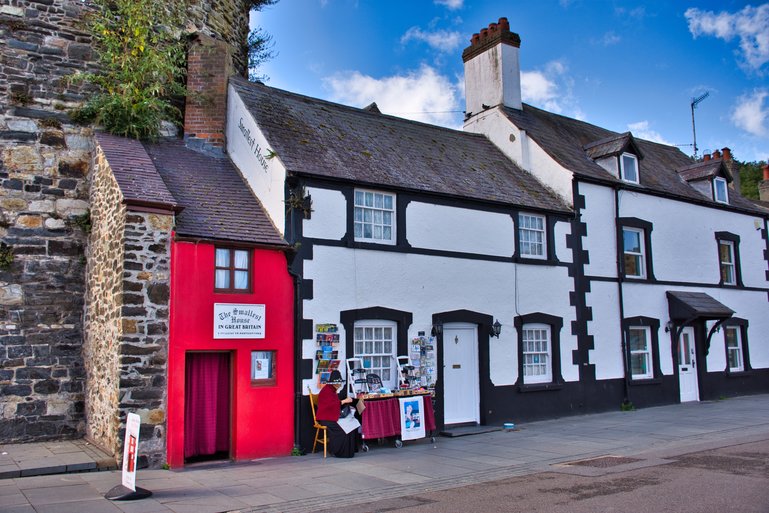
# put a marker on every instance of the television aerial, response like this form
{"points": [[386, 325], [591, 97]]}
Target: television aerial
{"points": [[696, 101]]}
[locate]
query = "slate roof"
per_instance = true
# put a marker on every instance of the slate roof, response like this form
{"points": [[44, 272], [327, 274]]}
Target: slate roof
{"points": [[135, 173], [688, 305], [324, 139], [705, 169], [211, 198], [612, 145], [565, 139]]}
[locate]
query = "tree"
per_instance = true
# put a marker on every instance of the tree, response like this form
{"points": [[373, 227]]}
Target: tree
{"points": [[260, 45], [751, 174]]}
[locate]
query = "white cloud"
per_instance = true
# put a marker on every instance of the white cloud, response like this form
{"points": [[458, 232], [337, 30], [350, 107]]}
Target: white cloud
{"points": [[441, 40], [751, 113], [643, 130], [451, 4], [550, 89], [748, 25], [610, 38], [422, 95]]}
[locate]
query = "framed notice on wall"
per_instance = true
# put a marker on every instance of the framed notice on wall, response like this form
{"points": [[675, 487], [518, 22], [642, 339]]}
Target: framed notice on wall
{"points": [[238, 321]]}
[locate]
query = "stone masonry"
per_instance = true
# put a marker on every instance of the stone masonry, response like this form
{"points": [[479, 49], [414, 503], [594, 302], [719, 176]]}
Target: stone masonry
{"points": [[126, 318], [44, 166]]}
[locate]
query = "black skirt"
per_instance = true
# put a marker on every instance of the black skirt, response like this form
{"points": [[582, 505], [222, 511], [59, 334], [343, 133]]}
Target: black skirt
{"points": [[340, 444]]}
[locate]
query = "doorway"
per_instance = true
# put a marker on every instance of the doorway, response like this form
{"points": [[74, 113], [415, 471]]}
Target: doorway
{"points": [[207, 406], [461, 388], [687, 366]]}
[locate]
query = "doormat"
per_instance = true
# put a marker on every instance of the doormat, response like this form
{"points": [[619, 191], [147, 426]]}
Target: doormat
{"points": [[469, 430], [604, 461]]}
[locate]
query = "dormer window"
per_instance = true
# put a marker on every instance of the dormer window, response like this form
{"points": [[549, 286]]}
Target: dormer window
{"points": [[629, 168], [720, 190]]}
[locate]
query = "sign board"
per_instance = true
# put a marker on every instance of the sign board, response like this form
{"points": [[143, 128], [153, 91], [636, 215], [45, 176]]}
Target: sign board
{"points": [[130, 451], [412, 417], [238, 321]]}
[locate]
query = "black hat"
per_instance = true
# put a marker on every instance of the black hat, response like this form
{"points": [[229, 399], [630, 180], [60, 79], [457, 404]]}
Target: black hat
{"points": [[335, 378]]}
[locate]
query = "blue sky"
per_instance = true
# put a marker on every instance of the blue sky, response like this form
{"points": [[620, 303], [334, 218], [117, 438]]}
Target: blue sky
{"points": [[618, 64]]}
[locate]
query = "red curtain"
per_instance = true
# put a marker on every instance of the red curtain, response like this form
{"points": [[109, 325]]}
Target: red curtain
{"points": [[207, 404]]}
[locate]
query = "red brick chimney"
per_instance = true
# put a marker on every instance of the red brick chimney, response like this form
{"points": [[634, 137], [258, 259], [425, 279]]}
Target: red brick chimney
{"points": [[716, 154], [731, 165], [706, 157], [209, 66], [492, 69]]}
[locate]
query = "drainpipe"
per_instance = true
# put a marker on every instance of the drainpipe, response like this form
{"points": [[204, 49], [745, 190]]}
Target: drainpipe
{"points": [[620, 279], [297, 360]]}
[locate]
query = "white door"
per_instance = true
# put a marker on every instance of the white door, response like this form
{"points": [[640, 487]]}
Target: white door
{"points": [[461, 395], [687, 366]]}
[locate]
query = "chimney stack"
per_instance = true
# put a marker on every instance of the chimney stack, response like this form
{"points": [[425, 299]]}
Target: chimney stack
{"points": [[492, 69], [209, 66], [716, 155], [763, 186], [731, 165]]}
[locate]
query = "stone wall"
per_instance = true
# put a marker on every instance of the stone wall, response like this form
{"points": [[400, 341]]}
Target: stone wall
{"points": [[44, 162], [126, 319], [144, 342], [103, 306]]}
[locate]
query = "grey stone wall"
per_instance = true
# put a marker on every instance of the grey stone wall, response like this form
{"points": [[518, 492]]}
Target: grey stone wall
{"points": [[126, 319], [44, 164]]}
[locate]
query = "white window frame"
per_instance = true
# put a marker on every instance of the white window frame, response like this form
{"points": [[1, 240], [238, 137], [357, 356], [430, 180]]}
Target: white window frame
{"points": [[537, 360], [645, 352], [719, 184], [640, 255], [377, 213], [623, 172], [379, 359], [734, 349], [534, 248], [732, 265]]}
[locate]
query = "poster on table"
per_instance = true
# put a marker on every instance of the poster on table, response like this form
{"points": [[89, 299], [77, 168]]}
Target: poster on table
{"points": [[130, 451], [411, 413]]}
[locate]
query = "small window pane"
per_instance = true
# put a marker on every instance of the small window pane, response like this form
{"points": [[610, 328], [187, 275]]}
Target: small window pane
{"points": [[222, 279], [241, 259], [241, 280], [262, 367], [222, 257]]}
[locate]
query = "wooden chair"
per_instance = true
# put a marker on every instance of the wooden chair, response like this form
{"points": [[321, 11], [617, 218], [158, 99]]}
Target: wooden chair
{"points": [[318, 427]]}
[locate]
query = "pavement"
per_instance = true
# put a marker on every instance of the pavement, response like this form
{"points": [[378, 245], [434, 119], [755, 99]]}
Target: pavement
{"points": [[614, 441]]}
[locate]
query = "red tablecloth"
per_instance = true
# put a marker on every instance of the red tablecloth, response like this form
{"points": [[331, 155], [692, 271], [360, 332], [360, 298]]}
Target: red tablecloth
{"points": [[381, 417]]}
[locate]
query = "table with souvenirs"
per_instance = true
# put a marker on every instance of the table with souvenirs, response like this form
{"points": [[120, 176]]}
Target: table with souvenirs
{"points": [[405, 413]]}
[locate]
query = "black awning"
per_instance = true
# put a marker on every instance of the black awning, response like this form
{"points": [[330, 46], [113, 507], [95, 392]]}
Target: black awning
{"points": [[687, 306]]}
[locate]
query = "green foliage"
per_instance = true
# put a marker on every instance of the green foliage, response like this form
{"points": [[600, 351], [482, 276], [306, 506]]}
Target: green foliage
{"points": [[751, 174], [260, 44], [84, 222], [626, 406], [296, 451], [141, 66], [6, 256]]}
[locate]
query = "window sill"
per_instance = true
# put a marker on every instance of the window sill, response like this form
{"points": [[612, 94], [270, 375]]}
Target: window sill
{"points": [[539, 387], [536, 261], [739, 374], [263, 382]]}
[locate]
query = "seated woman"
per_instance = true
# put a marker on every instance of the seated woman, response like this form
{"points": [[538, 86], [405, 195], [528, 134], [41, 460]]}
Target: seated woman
{"points": [[341, 444]]}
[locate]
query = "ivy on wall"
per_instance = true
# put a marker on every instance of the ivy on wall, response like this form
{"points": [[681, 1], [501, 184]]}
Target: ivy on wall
{"points": [[141, 64]]}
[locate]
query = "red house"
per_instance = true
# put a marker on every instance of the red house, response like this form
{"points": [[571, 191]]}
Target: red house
{"points": [[229, 319]]}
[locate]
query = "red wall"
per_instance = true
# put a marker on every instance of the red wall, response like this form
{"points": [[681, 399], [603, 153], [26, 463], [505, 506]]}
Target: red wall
{"points": [[262, 417]]}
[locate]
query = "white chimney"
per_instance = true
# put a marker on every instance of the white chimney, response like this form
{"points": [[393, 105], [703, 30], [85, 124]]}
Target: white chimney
{"points": [[492, 69]]}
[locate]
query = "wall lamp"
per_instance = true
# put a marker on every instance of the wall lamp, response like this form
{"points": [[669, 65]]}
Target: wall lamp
{"points": [[669, 326], [496, 328], [437, 330]]}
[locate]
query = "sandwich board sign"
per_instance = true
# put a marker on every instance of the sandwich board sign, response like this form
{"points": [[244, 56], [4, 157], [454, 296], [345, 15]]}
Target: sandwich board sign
{"points": [[127, 490]]}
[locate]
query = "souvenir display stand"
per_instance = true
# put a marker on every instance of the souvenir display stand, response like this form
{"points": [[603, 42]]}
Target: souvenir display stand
{"points": [[383, 416]]}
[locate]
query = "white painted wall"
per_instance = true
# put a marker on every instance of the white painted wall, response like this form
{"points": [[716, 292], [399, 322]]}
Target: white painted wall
{"points": [[523, 151], [492, 78], [345, 279], [459, 229], [600, 241], [606, 330], [329, 214], [249, 150]]}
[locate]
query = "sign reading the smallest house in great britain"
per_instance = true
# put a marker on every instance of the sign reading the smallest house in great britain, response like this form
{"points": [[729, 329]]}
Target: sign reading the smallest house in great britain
{"points": [[238, 321]]}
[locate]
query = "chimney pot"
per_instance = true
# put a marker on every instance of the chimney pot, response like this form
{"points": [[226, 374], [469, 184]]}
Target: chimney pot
{"points": [[484, 33], [503, 24], [716, 154], [706, 157], [766, 171], [475, 40], [727, 153], [492, 28]]}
